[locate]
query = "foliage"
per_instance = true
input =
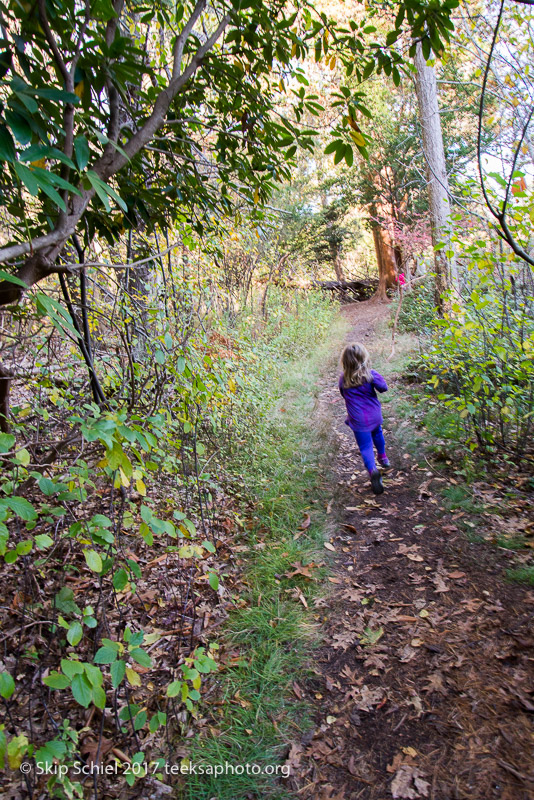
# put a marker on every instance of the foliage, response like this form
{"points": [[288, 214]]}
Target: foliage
{"points": [[270, 635], [183, 101], [417, 313], [126, 486], [480, 358]]}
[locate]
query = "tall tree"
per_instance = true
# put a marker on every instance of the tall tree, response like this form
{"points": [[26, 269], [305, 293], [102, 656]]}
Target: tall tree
{"points": [[436, 170], [115, 111]]}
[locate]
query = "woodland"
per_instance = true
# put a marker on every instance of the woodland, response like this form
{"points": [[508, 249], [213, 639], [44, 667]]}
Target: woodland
{"points": [[199, 202]]}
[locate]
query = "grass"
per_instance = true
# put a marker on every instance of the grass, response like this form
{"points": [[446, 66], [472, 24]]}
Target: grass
{"points": [[460, 498], [274, 632], [511, 543], [521, 575]]}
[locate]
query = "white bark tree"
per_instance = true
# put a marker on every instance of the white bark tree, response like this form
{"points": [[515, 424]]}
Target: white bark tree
{"points": [[438, 182]]}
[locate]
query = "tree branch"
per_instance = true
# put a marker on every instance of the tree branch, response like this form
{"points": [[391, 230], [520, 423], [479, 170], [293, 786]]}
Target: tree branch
{"points": [[41, 263]]}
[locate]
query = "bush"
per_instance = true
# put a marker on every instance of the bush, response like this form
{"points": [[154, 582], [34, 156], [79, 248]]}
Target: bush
{"points": [[418, 309], [480, 358]]}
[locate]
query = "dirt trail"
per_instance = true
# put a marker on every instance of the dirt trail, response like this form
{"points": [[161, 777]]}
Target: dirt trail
{"points": [[422, 684]]}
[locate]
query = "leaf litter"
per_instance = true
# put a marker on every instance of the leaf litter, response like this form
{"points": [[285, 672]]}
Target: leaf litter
{"points": [[425, 671]]}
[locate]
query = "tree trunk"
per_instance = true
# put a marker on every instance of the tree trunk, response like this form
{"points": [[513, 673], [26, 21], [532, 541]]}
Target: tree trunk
{"points": [[5, 384], [438, 182], [336, 258], [385, 257]]}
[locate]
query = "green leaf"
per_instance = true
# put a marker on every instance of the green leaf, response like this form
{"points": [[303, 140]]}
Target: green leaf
{"points": [[213, 581], [94, 674], [24, 547], [82, 152], [7, 685], [43, 540], [105, 655], [174, 689], [333, 147], [120, 580], [142, 657], [71, 667], [21, 507], [340, 154], [51, 750], [103, 191], [28, 179], [19, 126], [81, 690], [140, 720], [60, 95], [6, 276], [94, 562], [118, 670], [7, 145], [74, 633], [128, 712], [64, 601], [7, 440], [56, 681], [59, 316], [99, 697]]}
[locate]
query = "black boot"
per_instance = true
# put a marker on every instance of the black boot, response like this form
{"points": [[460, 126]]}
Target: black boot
{"points": [[376, 481]]}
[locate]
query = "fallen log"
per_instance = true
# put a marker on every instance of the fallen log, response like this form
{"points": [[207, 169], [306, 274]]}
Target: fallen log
{"points": [[349, 291]]}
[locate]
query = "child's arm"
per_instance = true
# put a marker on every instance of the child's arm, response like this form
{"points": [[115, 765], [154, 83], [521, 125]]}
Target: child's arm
{"points": [[340, 384], [378, 381]]}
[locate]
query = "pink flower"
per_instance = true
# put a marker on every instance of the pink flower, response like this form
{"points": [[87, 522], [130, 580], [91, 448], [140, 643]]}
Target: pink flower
{"points": [[401, 279]]}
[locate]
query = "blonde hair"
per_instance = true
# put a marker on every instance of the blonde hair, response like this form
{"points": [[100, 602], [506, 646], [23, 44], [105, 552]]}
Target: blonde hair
{"points": [[355, 361]]}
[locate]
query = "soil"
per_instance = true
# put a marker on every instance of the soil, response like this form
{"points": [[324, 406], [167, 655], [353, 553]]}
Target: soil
{"points": [[423, 684]]}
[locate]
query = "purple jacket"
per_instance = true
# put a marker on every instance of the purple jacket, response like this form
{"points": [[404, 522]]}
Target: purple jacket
{"points": [[363, 406]]}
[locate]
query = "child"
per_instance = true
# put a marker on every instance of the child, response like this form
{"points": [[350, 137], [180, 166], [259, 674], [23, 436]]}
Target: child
{"points": [[358, 385]]}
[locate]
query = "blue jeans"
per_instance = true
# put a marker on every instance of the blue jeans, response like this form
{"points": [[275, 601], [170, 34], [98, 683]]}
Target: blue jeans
{"points": [[365, 440]]}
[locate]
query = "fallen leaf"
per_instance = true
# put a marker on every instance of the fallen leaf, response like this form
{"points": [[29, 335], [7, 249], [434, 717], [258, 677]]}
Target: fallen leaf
{"points": [[297, 690], [301, 569], [368, 698], [305, 524], [344, 639], [409, 783], [435, 684], [330, 546], [440, 584], [370, 637]]}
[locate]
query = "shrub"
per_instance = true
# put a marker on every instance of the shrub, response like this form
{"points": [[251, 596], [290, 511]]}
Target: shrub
{"points": [[480, 358]]}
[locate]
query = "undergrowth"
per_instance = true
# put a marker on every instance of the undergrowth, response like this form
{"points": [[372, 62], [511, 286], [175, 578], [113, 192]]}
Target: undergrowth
{"points": [[273, 630]]}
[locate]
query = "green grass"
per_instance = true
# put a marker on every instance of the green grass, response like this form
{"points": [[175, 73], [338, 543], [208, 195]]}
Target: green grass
{"points": [[511, 543], [521, 575], [281, 466], [460, 498]]}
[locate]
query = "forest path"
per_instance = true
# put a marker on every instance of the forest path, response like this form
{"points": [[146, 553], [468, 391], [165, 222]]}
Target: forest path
{"points": [[421, 683]]}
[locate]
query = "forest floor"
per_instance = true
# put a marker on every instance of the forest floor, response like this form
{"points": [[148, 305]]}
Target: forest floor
{"points": [[422, 685]]}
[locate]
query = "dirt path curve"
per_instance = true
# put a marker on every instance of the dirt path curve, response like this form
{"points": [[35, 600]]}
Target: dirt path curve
{"points": [[421, 687]]}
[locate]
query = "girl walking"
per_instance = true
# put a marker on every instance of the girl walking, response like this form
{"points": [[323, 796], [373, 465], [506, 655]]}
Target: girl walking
{"points": [[358, 386]]}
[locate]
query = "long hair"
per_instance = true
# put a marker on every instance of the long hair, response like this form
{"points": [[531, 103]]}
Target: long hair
{"points": [[356, 365]]}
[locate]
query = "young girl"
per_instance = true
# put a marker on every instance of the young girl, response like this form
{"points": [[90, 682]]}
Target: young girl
{"points": [[358, 385]]}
